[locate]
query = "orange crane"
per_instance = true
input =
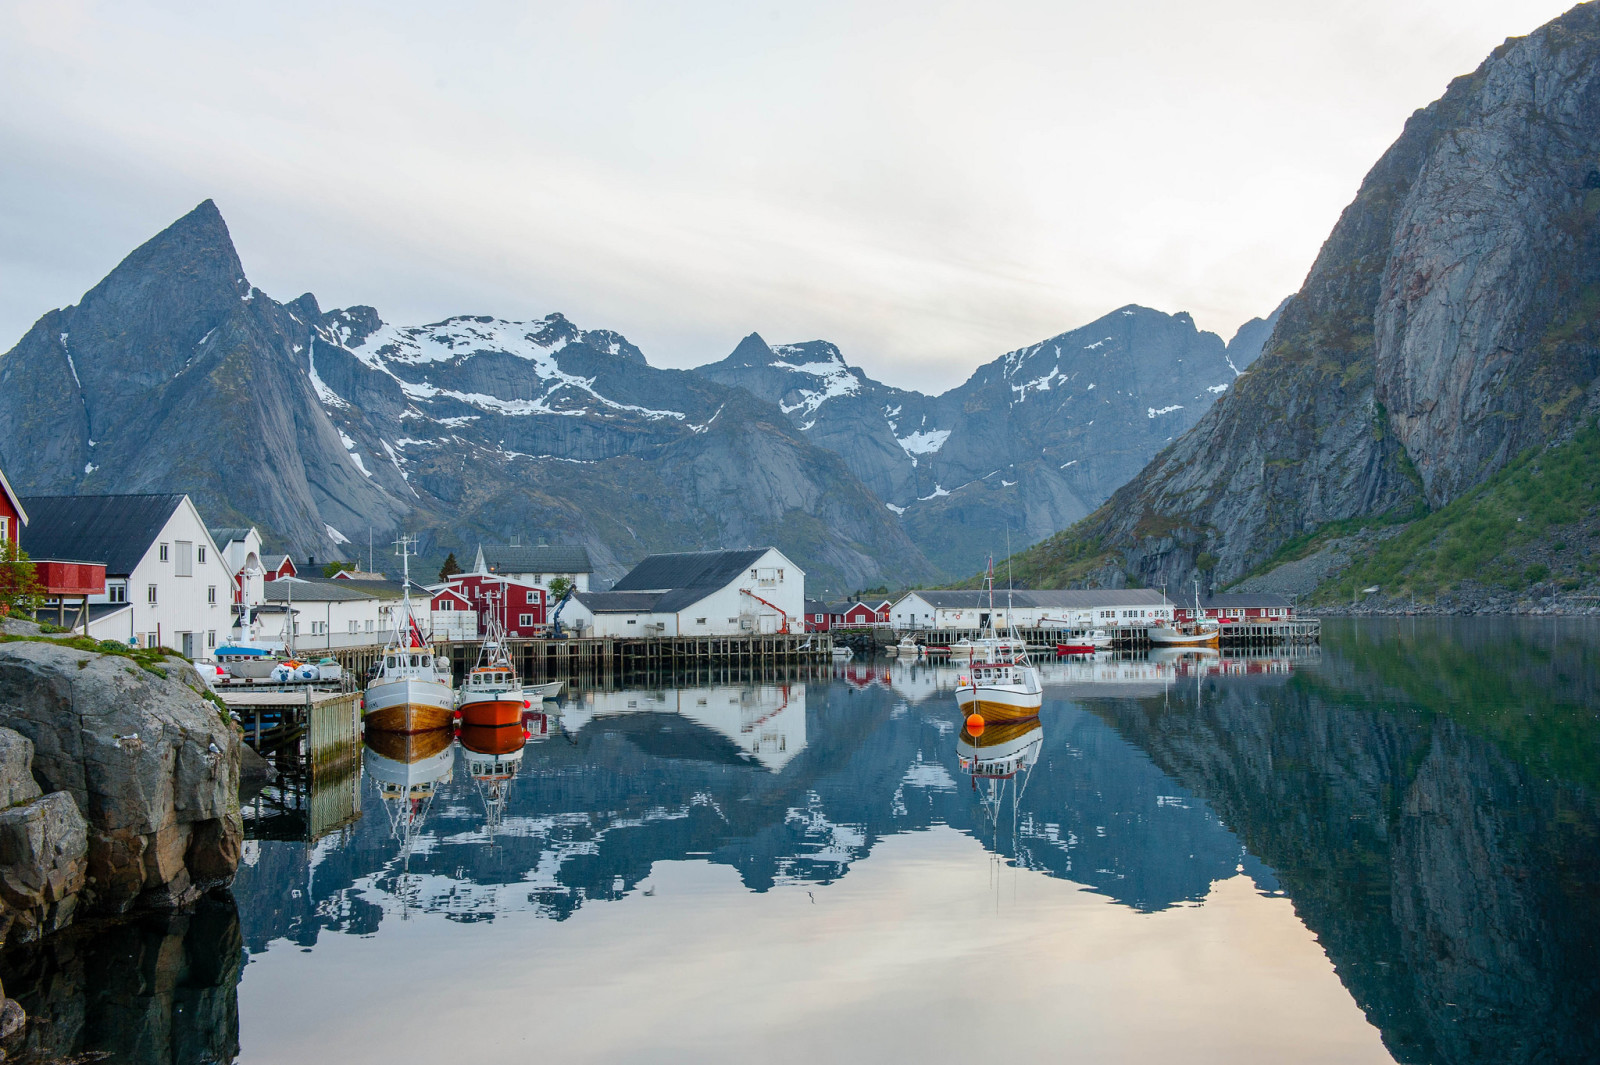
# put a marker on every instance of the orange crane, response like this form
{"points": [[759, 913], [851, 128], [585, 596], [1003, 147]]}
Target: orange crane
{"points": [[783, 619]]}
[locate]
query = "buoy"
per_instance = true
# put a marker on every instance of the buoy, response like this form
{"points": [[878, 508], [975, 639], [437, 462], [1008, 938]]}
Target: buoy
{"points": [[526, 703], [975, 724]]}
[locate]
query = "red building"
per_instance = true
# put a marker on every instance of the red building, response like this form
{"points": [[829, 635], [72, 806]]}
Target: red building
{"points": [[818, 618], [12, 516], [278, 566], [522, 606], [858, 614], [1239, 607]]}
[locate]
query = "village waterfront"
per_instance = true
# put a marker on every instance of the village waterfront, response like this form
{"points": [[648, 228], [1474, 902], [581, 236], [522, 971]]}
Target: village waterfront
{"points": [[1385, 848]]}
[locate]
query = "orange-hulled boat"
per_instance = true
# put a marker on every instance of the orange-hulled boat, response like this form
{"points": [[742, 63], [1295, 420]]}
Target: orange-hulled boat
{"points": [[492, 693]]}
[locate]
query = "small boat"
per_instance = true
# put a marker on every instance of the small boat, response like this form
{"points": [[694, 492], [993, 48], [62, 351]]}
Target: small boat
{"points": [[1200, 632], [909, 648], [550, 690], [409, 691], [492, 694], [246, 661], [1000, 683], [1084, 642]]}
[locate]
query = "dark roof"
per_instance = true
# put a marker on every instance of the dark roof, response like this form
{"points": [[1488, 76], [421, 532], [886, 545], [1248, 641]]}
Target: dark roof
{"points": [[115, 529], [226, 536], [1033, 599], [383, 589], [272, 563], [816, 606], [541, 559], [619, 602], [1243, 601], [325, 590], [687, 577]]}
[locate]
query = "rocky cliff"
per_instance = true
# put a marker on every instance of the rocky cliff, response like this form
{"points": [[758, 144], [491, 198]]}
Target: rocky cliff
{"points": [[152, 766], [44, 849], [1042, 434], [1451, 320]]}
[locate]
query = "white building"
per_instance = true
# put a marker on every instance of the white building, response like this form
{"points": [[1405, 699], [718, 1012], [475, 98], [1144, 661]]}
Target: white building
{"points": [[336, 613], [536, 565], [241, 552], [1029, 609], [700, 593], [167, 584]]}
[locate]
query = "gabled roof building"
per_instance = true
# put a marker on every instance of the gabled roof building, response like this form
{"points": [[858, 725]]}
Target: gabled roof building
{"points": [[698, 593], [537, 565]]}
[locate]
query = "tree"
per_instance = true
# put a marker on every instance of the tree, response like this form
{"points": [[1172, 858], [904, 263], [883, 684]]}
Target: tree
{"points": [[559, 587], [20, 590], [336, 567], [450, 568]]}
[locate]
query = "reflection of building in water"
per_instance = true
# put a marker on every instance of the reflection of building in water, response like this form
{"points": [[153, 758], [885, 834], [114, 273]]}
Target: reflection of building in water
{"points": [[766, 722], [493, 755]]}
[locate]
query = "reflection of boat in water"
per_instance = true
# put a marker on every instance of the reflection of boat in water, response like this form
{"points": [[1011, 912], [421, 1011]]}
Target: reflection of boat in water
{"points": [[494, 753], [406, 768], [1001, 750]]}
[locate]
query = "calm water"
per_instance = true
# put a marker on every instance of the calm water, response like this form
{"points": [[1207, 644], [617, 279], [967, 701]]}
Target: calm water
{"points": [[1388, 850]]}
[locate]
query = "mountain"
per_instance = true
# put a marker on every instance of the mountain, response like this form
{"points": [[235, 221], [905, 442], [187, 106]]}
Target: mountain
{"points": [[1450, 322], [317, 426], [1045, 433]]}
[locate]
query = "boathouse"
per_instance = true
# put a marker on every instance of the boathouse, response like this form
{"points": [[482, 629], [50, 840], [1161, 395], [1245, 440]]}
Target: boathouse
{"points": [[862, 614], [1230, 607], [537, 566], [970, 609], [166, 583], [753, 592]]}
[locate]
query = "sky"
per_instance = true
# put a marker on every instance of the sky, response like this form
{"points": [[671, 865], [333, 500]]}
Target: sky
{"points": [[926, 184]]}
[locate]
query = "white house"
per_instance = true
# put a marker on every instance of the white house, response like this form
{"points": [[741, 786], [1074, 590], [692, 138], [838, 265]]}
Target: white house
{"points": [[167, 583], [337, 613], [241, 552], [1030, 609], [698, 593], [536, 565]]}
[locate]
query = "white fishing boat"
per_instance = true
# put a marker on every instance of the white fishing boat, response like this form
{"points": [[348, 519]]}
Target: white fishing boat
{"points": [[1201, 631], [998, 681], [409, 691]]}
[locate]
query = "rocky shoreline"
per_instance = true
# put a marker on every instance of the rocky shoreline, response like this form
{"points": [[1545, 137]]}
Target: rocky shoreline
{"points": [[119, 783]]}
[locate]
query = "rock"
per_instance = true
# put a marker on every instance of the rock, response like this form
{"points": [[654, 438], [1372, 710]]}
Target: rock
{"points": [[134, 751], [43, 849]]}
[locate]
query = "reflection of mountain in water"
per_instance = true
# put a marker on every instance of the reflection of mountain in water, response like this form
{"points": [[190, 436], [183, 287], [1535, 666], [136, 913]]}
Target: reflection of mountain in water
{"points": [[780, 782], [1452, 881]]}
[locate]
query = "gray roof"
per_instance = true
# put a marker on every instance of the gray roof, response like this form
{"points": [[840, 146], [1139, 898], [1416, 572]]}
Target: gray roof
{"points": [[115, 529], [317, 591], [816, 606], [1244, 601], [687, 577], [226, 536], [273, 562], [1044, 599], [541, 559], [619, 602]]}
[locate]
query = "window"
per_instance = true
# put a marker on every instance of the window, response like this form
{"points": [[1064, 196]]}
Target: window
{"points": [[538, 578], [211, 637], [200, 554], [699, 621], [533, 596], [5, 528], [116, 593], [447, 604], [184, 564], [355, 626], [631, 621], [150, 595], [211, 594], [524, 620], [369, 626], [164, 555]]}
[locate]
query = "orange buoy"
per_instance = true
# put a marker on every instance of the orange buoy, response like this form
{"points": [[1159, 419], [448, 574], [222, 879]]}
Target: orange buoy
{"points": [[975, 724]]}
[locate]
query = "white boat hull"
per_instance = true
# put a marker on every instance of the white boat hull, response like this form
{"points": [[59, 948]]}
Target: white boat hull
{"points": [[408, 704], [550, 690], [1161, 636], [251, 668], [1000, 702]]}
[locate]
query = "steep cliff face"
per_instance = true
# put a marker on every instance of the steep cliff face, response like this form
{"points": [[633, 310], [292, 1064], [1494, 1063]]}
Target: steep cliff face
{"points": [[317, 426], [1042, 434], [1451, 320]]}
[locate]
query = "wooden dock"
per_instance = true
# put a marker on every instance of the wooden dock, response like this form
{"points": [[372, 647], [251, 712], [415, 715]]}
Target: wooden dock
{"points": [[313, 740], [1239, 634]]}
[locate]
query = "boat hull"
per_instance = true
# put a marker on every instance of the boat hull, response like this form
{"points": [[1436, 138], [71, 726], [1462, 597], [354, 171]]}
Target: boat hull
{"points": [[999, 704], [1169, 638], [549, 690], [408, 704], [488, 712], [251, 668]]}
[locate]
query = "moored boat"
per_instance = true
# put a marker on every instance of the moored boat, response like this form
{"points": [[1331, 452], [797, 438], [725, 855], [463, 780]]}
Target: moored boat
{"points": [[491, 693], [1000, 682], [1199, 632], [1084, 642], [550, 690], [406, 692]]}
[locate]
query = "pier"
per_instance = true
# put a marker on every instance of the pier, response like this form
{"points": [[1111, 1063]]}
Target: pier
{"points": [[313, 741], [1237, 634]]}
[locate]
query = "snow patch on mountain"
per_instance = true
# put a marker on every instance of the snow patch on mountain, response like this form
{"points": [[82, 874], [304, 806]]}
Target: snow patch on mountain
{"points": [[927, 442]]}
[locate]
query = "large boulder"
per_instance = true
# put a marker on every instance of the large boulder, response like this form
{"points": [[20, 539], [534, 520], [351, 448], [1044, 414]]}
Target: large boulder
{"points": [[151, 763], [43, 849]]}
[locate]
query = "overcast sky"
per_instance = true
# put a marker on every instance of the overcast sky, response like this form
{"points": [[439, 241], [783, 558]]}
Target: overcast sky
{"points": [[926, 184]]}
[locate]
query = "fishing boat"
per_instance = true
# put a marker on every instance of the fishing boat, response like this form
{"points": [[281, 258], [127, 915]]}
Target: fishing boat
{"points": [[409, 691], [1200, 632], [909, 648], [551, 690], [1084, 642], [999, 682], [491, 694]]}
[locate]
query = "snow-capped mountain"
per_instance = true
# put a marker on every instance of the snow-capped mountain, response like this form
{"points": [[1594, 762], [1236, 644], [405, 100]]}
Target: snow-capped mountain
{"points": [[1044, 433]]}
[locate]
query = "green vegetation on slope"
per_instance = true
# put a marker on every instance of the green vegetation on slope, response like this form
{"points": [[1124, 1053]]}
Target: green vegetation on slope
{"points": [[1533, 522]]}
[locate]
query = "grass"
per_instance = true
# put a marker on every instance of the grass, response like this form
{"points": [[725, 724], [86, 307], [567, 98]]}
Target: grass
{"points": [[1544, 497], [149, 658]]}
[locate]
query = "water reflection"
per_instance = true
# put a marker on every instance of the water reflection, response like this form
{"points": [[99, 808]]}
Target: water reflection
{"points": [[1424, 795]]}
